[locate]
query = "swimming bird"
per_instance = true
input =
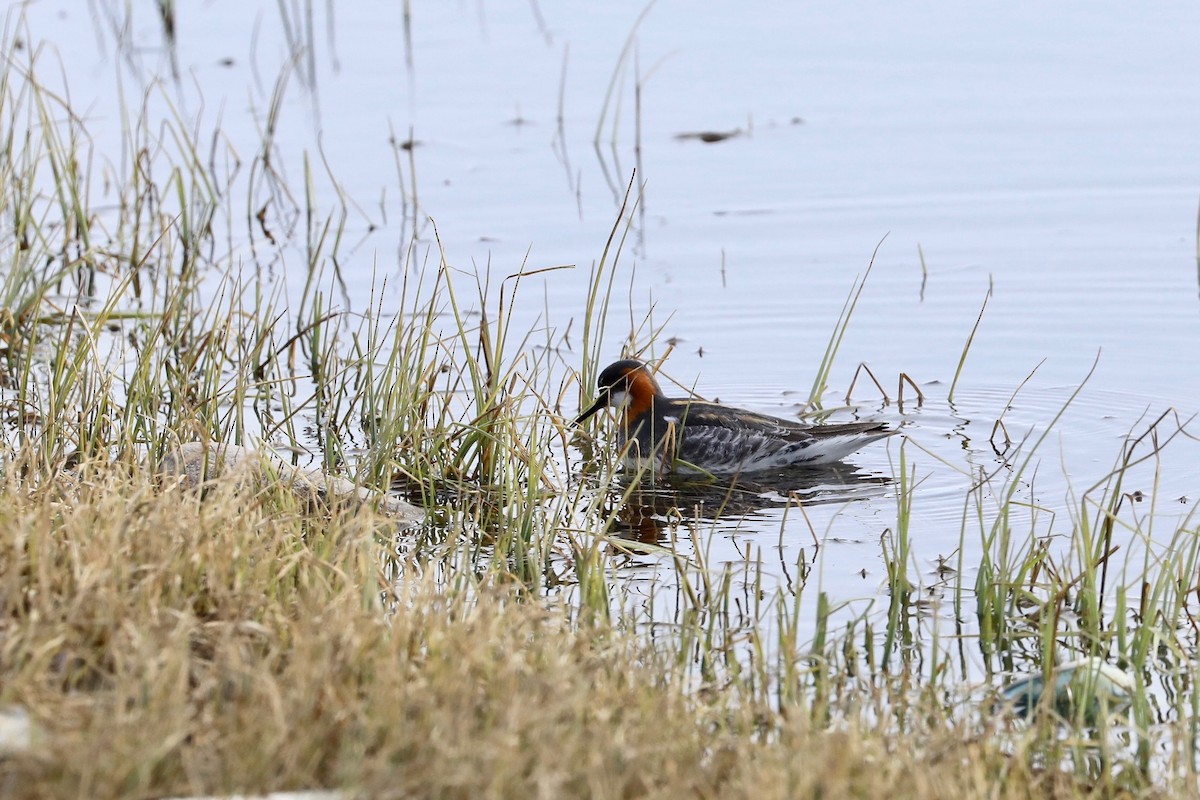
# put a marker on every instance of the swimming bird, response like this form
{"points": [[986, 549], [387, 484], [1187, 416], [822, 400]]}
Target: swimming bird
{"points": [[686, 435]]}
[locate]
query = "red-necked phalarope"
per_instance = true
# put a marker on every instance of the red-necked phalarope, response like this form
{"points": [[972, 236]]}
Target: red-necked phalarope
{"points": [[686, 435]]}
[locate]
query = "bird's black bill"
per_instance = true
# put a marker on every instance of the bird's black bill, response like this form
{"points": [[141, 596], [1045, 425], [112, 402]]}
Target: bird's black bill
{"points": [[600, 403]]}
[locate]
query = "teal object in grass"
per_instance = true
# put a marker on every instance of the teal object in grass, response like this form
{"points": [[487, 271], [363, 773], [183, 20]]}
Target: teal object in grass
{"points": [[1090, 686]]}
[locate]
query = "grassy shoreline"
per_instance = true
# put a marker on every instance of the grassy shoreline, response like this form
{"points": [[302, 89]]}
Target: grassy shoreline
{"points": [[168, 645]]}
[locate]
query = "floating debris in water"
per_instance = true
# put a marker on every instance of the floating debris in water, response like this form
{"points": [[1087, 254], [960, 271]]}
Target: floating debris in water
{"points": [[709, 137]]}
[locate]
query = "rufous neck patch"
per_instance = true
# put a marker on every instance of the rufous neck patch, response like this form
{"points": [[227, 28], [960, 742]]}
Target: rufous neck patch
{"points": [[641, 396]]}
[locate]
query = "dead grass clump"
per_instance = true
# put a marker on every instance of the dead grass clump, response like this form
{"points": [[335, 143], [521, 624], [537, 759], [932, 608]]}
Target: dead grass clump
{"points": [[168, 644]]}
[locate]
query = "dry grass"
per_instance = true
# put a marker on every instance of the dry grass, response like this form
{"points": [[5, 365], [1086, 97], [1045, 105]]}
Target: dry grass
{"points": [[168, 645]]}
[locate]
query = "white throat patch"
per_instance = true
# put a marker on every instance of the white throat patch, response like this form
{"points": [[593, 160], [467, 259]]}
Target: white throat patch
{"points": [[619, 399]]}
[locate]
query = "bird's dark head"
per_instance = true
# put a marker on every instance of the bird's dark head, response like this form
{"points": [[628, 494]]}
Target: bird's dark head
{"points": [[627, 385]]}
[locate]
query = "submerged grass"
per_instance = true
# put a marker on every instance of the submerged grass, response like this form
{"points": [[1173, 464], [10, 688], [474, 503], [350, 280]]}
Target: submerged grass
{"points": [[172, 643]]}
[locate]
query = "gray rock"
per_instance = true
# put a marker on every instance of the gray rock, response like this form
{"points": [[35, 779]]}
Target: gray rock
{"points": [[194, 463]]}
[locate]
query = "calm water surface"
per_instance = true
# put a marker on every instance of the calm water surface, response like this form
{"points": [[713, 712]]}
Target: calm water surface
{"points": [[1042, 157]]}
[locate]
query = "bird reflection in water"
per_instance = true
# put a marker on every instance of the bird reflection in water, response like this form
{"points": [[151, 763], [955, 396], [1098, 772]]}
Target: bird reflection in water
{"points": [[649, 512]]}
